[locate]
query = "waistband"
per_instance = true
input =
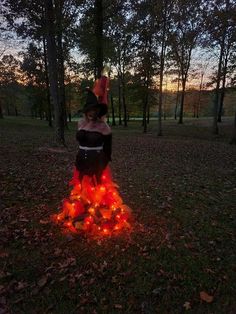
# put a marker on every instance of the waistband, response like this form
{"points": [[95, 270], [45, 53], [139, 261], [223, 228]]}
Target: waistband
{"points": [[91, 148]]}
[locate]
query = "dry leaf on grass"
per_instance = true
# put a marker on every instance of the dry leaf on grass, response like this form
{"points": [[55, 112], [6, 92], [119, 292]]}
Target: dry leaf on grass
{"points": [[42, 281], [206, 297], [44, 222], [187, 305], [118, 306]]}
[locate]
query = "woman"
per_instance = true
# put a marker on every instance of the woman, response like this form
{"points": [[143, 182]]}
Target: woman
{"points": [[94, 137], [94, 204]]}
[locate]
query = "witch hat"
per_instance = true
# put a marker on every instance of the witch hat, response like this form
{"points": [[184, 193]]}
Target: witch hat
{"points": [[91, 101]]}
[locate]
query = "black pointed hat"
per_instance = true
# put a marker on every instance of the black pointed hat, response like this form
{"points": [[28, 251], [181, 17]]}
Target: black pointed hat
{"points": [[91, 101]]}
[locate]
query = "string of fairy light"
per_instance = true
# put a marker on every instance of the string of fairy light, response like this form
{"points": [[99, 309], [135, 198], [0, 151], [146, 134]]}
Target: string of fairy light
{"points": [[94, 208]]}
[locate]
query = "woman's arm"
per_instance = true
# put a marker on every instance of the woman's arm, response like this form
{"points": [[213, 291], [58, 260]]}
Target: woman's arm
{"points": [[107, 146]]}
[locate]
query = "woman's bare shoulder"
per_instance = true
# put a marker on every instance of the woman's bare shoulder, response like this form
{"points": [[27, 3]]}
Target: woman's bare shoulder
{"points": [[105, 128], [81, 123]]}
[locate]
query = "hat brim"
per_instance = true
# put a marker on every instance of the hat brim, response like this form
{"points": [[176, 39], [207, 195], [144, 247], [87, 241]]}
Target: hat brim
{"points": [[90, 107], [103, 110]]}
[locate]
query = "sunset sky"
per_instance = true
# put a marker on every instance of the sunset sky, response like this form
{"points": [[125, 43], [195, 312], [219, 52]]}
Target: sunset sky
{"points": [[202, 60]]}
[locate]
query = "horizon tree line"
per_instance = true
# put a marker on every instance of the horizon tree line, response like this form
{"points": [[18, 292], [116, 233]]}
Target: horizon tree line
{"points": [[141, 41]]}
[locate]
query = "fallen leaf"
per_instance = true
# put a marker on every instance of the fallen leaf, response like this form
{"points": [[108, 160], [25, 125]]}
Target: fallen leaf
{"points": [[2, 289], [44, 222], [23, 220], [42, 282], [206, 297], [187, 305], [21, 285], [118, 306], [4, 254], [3, 301]]}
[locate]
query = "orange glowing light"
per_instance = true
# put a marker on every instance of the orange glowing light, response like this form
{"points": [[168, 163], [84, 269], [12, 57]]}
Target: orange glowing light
{"points": [[113, 207], [93, 208]]}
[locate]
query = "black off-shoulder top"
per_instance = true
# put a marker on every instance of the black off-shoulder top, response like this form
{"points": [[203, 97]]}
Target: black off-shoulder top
{"points": [[95, 139]]}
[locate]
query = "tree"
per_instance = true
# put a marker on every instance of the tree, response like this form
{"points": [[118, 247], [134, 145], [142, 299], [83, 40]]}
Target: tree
{"points": [[29, 19], [233, 139], [119, 31], [164, 15], [99, 37], [9, 69], [145, 51], [221, 29], [230, 46], [53, 75], [184, 36]]}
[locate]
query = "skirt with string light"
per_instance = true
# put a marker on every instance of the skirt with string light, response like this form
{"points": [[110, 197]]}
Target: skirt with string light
{"points": [[94, 204]]}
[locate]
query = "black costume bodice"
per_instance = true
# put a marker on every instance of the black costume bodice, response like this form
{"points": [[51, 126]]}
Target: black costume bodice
{"points": [[95, 139], [90, 138], [93, 162]]}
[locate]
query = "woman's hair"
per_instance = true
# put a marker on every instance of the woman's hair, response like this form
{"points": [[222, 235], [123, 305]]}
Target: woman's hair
{"points": [[95, 113]]}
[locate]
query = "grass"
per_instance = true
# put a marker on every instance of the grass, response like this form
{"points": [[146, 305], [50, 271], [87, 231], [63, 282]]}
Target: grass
{"points": [[181, 188]]}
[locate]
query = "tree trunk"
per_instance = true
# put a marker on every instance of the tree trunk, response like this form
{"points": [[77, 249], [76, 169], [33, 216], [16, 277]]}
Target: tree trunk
{"points": [[99, 37], [61, 72], [222, 92], [60, 57], [145, 103], [162, 65], [177, 97], [124, 104], [233, 139], [160, 109], [148, 113], [199, 95], [194, 110], [182, 101], [119, 100], [217, 90], [40, 112], [1, 113], [216, 97], [123, 98], [69, 105], [221, 104], [113, 111], [184, 75], [47, 83], [52, 73]]}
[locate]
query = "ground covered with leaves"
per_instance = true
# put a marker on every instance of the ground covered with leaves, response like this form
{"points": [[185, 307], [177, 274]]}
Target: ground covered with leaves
{"points": [[180, 254]]}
